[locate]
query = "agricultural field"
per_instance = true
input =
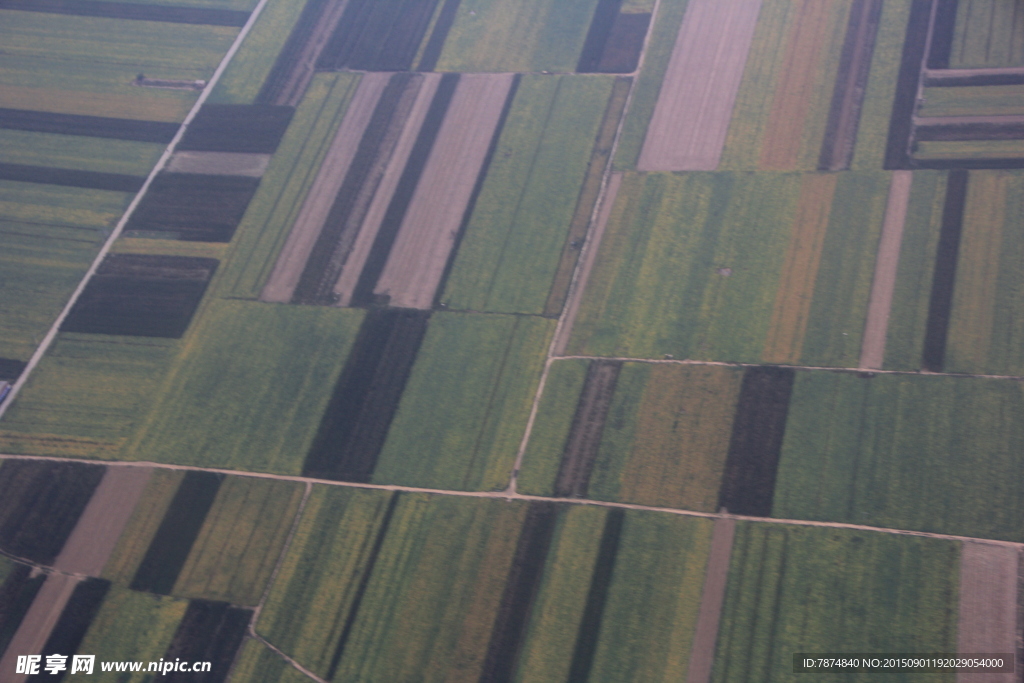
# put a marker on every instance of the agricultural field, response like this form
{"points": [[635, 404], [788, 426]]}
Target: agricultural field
{"points": [[79, 153], [765, 267], [934, 454], [800, 589], [487, 367], [509, 255], [984, 328], [268, 369], [987, 34], [512, 35], [977, 100], [516, 579]]}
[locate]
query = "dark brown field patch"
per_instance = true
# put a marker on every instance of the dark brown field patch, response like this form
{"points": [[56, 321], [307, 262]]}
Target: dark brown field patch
{"points": [[621, 53], [93, 126], [366, 396], [943, 32], [584, 439], [92, 180], [192, 207], [901, 125], [748, 483], [74, 621], [142, 295], [172, 543], [378, 35], [597, 35], [40, 503], [10, 369], [435, 44], [209, 632], [129, 10], [253, 128], [17, 592], [940, 304]]}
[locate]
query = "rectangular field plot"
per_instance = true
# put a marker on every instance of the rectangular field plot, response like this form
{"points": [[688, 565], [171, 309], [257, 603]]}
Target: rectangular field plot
{"points": [[488, 367], [517, 35], [141, 295], [979, 100], [800, 589], [455, 589], [191, 206], [762, 267], [79, 153], [938, 454], [988, 34], [510, 253], [265, 373], [86, 397], [378, 35], [985, 328]]}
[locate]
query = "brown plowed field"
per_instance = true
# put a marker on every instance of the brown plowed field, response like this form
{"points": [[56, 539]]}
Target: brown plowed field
{"points": [[702, 654], [784, 341], [289, 266], [431, 225], [691, 119], [872, 350], [988, 604]]}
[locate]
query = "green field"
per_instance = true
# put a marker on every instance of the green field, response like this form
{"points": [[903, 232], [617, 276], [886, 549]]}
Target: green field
{"points": [[969, 149], [938, 454], [986, 331], [130, 626], [240, 542], [909, 314], [517, 35], [292, 170], [87, 397], [783, 102], [257, 663], [648, 84], [873, 130], [716, 267], [428, 606], [802, 589], [487, 368], [245, 75], [265, 373], [981, 100], [988, 34], [512, 247], [78, 152]]}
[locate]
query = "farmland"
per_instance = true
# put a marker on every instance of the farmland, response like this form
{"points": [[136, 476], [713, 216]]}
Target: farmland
{"points": [[488, 366], [740, 302], [271, 388], [800, 589], [142, 526], [892, 451], [79, 152], [507, 259], [987, 35], [978, 100], [510, 35]]}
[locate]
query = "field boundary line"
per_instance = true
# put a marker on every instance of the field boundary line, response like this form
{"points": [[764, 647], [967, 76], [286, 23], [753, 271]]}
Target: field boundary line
{"points": [[51, 334], [578, 283], [509, 496]]}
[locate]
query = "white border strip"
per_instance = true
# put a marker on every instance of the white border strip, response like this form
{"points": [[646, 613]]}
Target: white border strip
{"points": [[51, 335]]}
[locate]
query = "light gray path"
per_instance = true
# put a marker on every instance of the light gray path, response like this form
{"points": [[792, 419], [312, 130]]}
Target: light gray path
{"points": [[317, 205], [702, 654], [431, 224], [586, 266], [691, 119], [219, 163], [887, 261], [39, 621], [93, 539], [346, 284], [988, 605]]}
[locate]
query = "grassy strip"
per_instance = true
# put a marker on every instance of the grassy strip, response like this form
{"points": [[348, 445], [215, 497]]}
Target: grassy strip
{"points": [[648, 84], [909, 314], [79, 153], [984, 333], [719, 258], [87, 396], [273, 208], [510, 253], [132, 626], [512, 35], [801, 589], [265, 372], [488, 367], [239, 544], [249, 68], [927, 453], [980, 100]]}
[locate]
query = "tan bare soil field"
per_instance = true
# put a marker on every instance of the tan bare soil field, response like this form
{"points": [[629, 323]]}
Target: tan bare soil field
{"points": [[988, 604], [220, 163], [702, 655]]}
